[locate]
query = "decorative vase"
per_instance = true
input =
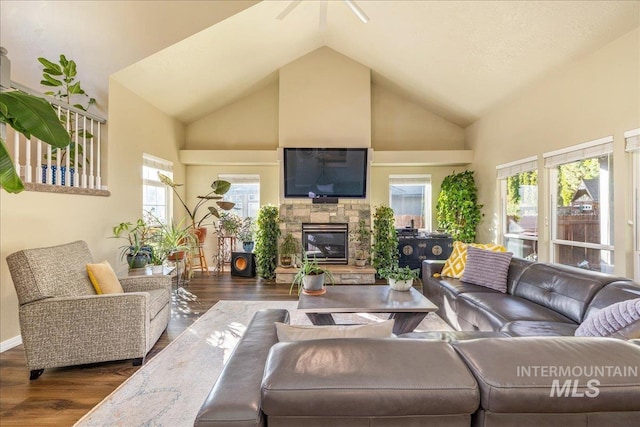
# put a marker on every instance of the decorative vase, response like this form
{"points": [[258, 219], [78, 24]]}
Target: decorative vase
{"points": [[313, 284], [286, 260], [247, 246], [361, 262], [139, 261], [400, 285]]}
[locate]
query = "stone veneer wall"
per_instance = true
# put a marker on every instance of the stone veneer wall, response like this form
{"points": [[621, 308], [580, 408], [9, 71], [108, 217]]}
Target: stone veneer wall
{"points": [[293, 214]]}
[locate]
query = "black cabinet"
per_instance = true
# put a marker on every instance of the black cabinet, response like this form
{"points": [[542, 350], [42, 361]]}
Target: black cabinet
{"points": [[413, 250]]}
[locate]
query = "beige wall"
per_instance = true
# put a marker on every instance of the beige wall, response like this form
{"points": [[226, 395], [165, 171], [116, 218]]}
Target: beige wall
{"points": [[31, 219], [325, 101], [590, 98], [400, 124], [250, 123]]}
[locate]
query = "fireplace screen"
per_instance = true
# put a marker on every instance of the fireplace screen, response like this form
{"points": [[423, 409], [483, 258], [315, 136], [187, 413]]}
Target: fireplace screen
{"points": [[326, 243]]}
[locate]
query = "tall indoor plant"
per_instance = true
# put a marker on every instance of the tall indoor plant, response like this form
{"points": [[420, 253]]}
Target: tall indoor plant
{"points": [[385, 239], [218, 189], [267, 241], [457, 210]]}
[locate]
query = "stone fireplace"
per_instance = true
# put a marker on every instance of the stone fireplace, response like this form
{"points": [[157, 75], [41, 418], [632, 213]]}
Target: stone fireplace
{"points": [[327, 243], [345, 215]]}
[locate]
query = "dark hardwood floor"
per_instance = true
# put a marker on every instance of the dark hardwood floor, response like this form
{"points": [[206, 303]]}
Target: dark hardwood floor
{"points": [[62, 396]]}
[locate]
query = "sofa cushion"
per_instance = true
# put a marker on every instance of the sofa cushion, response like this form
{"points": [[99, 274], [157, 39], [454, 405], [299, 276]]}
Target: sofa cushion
{"points": [[619, 320], [487, 268], [521, 375], [366, 377], [538, 328], [103, 278], [454, 266], [311, 332], [491, 311], [564, 289]]}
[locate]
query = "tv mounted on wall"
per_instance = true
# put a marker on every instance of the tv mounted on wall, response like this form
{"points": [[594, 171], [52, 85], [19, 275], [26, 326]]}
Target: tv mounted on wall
{"points": [[325, 172]]}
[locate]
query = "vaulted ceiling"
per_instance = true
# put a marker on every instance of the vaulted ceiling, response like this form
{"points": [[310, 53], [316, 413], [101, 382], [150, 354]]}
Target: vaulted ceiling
{"points": [[459, 59]]}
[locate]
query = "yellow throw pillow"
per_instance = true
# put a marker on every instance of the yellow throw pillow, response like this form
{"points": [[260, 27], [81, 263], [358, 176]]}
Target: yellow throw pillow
{"points": [[454, 266], [104, 279]]}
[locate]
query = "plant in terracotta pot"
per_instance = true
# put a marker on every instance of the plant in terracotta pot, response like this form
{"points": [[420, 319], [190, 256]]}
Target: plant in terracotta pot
{"points": [[399, 278], [289, 248], [311, 278], [219, 188], [361, 237]]}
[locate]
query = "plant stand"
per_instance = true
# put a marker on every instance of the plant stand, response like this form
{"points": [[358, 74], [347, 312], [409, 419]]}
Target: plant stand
{"points": [[226, 245], [197, 255]]}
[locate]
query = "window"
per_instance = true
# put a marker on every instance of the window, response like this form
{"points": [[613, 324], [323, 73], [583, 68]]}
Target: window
{"points": [[244, 192], [581, 180], [633, 146], [410, 199], [519, 197], [156, 197]]}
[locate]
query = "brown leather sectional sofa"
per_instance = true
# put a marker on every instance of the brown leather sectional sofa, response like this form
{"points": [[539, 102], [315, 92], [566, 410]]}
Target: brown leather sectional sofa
{"points": [[541, 300], [496, 381]]}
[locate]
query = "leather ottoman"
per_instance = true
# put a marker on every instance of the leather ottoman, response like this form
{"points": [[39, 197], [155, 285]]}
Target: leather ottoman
{"points": [[555, 381], [362, 382]]}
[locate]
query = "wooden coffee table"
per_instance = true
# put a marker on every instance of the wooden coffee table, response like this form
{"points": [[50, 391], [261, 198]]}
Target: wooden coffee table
{"points": [[408, 308]]}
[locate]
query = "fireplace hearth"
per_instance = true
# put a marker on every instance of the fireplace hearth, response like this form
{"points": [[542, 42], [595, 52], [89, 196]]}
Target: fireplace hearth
{"points": [[327, 243]]}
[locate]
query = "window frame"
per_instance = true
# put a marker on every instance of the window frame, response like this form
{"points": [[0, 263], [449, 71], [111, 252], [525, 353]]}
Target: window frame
{"points": [[165, 167], [243, 178], [503, 172], [427, 183], [632, 140], [552, 161]]}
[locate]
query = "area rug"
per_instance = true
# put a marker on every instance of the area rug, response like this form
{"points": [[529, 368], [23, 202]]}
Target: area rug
{"points": [[170, 388]]}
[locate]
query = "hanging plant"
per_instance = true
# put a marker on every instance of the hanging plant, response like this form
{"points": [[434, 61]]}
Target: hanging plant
{"points": [[267, 241], [385, 240], [457, 210]]}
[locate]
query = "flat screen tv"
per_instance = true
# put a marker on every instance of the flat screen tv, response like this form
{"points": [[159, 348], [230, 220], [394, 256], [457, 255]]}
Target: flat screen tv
{"points": [[331, 172]]}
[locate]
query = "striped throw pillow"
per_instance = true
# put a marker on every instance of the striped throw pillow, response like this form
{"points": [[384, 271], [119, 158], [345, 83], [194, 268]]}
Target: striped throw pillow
{"points": [[620, 320], [454, 266], [487, 268]]}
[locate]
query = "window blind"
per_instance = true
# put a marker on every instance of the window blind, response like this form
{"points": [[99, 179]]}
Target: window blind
{"points": [[240, 178], [519, 166], [157, 163], [632, 138], [597, 148]]}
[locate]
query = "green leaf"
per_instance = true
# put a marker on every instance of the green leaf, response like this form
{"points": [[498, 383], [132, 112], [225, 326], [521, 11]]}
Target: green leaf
{"points": [[48, 65], [50, 81], [52, 71], [72, 69], [220, 186], [35, 116], [9, 179], [75, 88], [63, 61]]}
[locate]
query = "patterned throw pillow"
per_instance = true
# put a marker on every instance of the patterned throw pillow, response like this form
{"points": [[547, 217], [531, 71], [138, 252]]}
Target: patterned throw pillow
{"points": [[454, 266], [104, 279], [487, 268], [620, 320]]}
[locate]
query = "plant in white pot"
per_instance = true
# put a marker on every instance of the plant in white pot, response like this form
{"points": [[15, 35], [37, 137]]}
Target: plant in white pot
{"points": [[311, 278], [399, 278]]}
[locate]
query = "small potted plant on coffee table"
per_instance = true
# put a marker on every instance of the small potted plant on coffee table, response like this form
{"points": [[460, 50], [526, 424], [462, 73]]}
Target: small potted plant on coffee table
{"points": [[310, 278], [399, 278]]}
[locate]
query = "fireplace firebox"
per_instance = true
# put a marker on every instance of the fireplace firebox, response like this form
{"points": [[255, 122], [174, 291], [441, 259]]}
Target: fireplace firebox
{"points": [[326, 243]]}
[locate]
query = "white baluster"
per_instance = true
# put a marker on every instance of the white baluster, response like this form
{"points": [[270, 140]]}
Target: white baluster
{"points": [[16, 151], [39, 161], [99, 161], [92, 181], [27, 160], [84, 152], [49, 171]]}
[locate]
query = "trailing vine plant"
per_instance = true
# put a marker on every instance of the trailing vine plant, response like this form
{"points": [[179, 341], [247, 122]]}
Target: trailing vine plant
{"points": [[267, 241], [457, 210], [385, 239]]}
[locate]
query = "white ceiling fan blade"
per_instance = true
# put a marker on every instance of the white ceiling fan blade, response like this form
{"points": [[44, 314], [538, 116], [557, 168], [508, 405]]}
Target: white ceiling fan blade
{"points": [[288, 9], [357, 11]]}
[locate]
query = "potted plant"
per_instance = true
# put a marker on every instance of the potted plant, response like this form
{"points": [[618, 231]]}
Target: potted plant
{"points": [[289, 247], [457, 209], [311, 278], [385, 239], [361, 237], [399, 278], [138, 251], [228, 224], [246, 234], [219, 188], [174, 239], [267, 234]]}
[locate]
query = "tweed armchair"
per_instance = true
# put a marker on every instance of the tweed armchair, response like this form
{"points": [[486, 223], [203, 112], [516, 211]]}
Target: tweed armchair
{"points": [[63, 320]]}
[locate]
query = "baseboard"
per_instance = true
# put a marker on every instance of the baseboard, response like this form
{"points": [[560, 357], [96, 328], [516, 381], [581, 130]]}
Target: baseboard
{"points": [[10, 343]]}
